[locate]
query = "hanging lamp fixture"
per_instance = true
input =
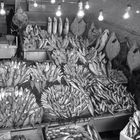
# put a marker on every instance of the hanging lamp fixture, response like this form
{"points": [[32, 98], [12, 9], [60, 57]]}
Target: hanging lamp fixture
{"points": [[127, 12], [81, 12], [101, 16], [2, 9], [87, 5], [53, 1], [35, 4], [58, 12]]}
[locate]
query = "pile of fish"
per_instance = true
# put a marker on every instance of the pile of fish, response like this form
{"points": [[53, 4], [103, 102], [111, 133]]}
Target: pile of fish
{"points": [[74, 132], [78, 74], [36, 38], [49, 72], [43, 73], [110, 98], [18, 108], [65, 101], [132, 130], [13, 73]]}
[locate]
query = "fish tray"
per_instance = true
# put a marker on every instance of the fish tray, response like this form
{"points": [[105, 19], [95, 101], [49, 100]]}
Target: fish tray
{"points": [[30, 134], [123, 136], [61, 126], [35, 55], [111, 122]]}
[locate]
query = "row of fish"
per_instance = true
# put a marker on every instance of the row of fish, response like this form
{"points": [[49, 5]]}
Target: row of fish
{"points": [[55, 26], [72, 131]]}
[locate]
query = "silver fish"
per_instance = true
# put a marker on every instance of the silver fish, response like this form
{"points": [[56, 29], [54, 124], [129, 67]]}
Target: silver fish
{"points": [[66, 26], [49, 25], [54, 25], [102, 40], [60, 26]]}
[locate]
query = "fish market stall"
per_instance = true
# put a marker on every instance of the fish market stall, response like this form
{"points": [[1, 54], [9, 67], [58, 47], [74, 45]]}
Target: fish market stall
{"points": [[70, 80]]}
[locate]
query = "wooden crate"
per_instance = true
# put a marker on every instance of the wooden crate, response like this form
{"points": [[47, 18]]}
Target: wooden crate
{"points": [[35, 55], [111, 122]]}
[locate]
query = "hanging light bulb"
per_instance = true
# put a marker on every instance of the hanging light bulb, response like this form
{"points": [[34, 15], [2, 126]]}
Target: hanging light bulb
{"points": [[87, 5], [35, 4], [58, 12], [137, 11], [2, 10], [127, 12], [126, 15], [81, 12], [53, 1], [101, 17]]}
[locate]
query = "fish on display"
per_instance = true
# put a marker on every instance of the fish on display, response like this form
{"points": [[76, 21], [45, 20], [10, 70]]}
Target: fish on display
{"points": [[49, 25], [113, 47], [66, 26], [133, 58], [54, 25], [101, 42], [60, 26]]}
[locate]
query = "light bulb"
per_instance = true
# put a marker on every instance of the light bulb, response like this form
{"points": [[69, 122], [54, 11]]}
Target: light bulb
{"points": [[81, 12], [2, 10], [58, 12], [52, 1], [126, 15], [127, 12], [87, 5], [101, 17], [138, 11], [35, 4]]}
